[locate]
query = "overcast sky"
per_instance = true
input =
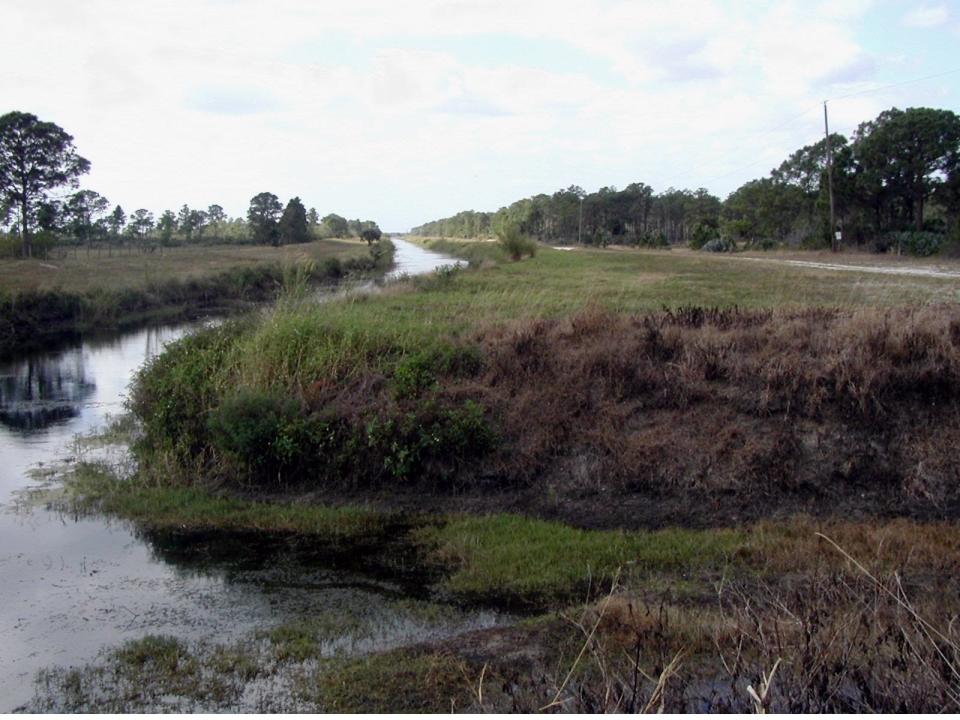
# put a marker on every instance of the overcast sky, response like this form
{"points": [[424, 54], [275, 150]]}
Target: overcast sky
{"points": [[404, 112]]}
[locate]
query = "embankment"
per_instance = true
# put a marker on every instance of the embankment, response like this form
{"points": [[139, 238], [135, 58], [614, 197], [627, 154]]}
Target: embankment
{"points": [[33, 319], [693, 417]]}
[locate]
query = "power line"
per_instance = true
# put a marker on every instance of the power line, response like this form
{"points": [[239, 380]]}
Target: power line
{"points": [[892, 85], [808, 110]]}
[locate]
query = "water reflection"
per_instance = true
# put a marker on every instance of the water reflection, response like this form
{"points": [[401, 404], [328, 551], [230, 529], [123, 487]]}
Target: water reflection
{"points": [[41, 391], [71, 585], [412, 259]]}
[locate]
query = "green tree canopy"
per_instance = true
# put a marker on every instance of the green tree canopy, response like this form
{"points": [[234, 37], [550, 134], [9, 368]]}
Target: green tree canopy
{"points": [[116, 220], [141, 223], [371, 235], [82, 210], [167, 226], [262, 216], [904, 156], [35, 157], [293, 223], [216, 215], [335, 226]]}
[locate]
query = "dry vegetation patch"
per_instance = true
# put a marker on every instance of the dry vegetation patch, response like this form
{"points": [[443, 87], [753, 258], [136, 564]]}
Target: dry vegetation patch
{"points": [[815, 403]]}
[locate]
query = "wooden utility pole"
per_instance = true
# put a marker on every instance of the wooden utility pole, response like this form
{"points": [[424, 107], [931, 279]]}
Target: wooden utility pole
{"points": [[834, 244], [580, 224]]}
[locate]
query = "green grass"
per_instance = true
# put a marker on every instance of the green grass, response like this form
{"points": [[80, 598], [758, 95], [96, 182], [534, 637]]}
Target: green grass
{"points": [[291, 348], [95, 487], [527, 561], [296, 346], [393, 682]]}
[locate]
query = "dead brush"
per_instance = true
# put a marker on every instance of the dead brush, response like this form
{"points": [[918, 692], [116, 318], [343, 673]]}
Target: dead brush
{"points": [[848, 641], [640, 673], [611, 385]]}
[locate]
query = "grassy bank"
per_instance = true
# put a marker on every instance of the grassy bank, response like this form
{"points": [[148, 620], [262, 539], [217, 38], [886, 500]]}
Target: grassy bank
{"points": [[838, 616], [41, 301], [529, 564], [81, 271], [699, 475], [692, 416]]}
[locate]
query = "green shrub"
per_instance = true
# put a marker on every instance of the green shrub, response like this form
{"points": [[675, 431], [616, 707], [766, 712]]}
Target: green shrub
{"points": [[441, 278], [514, 243], [173, 393], [913, 242], [702, 233], [429, 443], [719, 245], [418, 372], [331, 268], [262, 431], [653, 240]]}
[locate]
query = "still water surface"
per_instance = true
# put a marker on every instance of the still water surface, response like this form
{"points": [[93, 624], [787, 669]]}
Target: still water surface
{"points": [[70, 586]]}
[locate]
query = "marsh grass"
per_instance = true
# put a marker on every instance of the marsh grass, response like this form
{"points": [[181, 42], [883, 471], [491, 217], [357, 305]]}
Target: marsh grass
{"points": [[722, 401], [82, 272], [95, 487], [524, 561], [113, 298]]}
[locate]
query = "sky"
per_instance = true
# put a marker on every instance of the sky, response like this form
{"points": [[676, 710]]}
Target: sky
{"points": [[404, 112]]}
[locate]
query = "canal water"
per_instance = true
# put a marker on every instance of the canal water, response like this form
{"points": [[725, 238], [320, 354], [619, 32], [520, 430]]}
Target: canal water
{"points": [[70, 586]]}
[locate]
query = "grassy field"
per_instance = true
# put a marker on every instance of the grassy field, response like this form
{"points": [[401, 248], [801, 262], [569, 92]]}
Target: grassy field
{"points": [[715, 484], [79, 272], [53, 300]]}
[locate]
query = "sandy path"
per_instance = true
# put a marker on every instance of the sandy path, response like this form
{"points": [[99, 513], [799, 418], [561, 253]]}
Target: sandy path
{"points": [[879, 269]]}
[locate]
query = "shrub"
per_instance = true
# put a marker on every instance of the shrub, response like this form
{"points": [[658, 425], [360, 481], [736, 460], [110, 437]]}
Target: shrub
{"points": [[914, 242], [429, 442], [702, 233], [173, 393], [418, 372], [331, 268], [654, 240], [440, 279], [720, 245], [514, 243], [260, 430]]}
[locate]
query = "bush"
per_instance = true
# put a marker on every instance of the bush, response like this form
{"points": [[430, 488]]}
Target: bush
{"points": [[418, 372], [173, 393], [720, 245], [430, 442], [262, 431], [914, 242], [703, 233], [331, 268], [440, 279], [653, 240], [514, 243]]}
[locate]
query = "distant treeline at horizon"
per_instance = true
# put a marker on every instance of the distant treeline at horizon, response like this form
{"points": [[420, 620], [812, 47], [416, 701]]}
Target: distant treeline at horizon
{"points": [[900, 173], [38, 159], [84, 219]]}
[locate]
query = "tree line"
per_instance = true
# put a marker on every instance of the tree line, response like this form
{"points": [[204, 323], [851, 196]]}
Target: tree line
{"points": [[899, 174], [39, 165]]}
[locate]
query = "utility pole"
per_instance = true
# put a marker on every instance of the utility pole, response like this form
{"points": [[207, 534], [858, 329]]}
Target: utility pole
{"points": [[580, 224], [834, 244]]}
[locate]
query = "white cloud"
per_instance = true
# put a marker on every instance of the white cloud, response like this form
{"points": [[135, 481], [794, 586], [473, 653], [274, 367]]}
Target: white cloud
{"points": [[199, 102], [927, 16]]}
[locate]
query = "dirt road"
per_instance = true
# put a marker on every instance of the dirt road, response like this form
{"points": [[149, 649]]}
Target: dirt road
{"points": [[880, 269]]}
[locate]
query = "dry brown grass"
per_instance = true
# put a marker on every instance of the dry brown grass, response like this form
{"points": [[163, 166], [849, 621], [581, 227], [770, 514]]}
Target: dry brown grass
{"points": [[120, 269], [808, 402], [837, 641]]}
